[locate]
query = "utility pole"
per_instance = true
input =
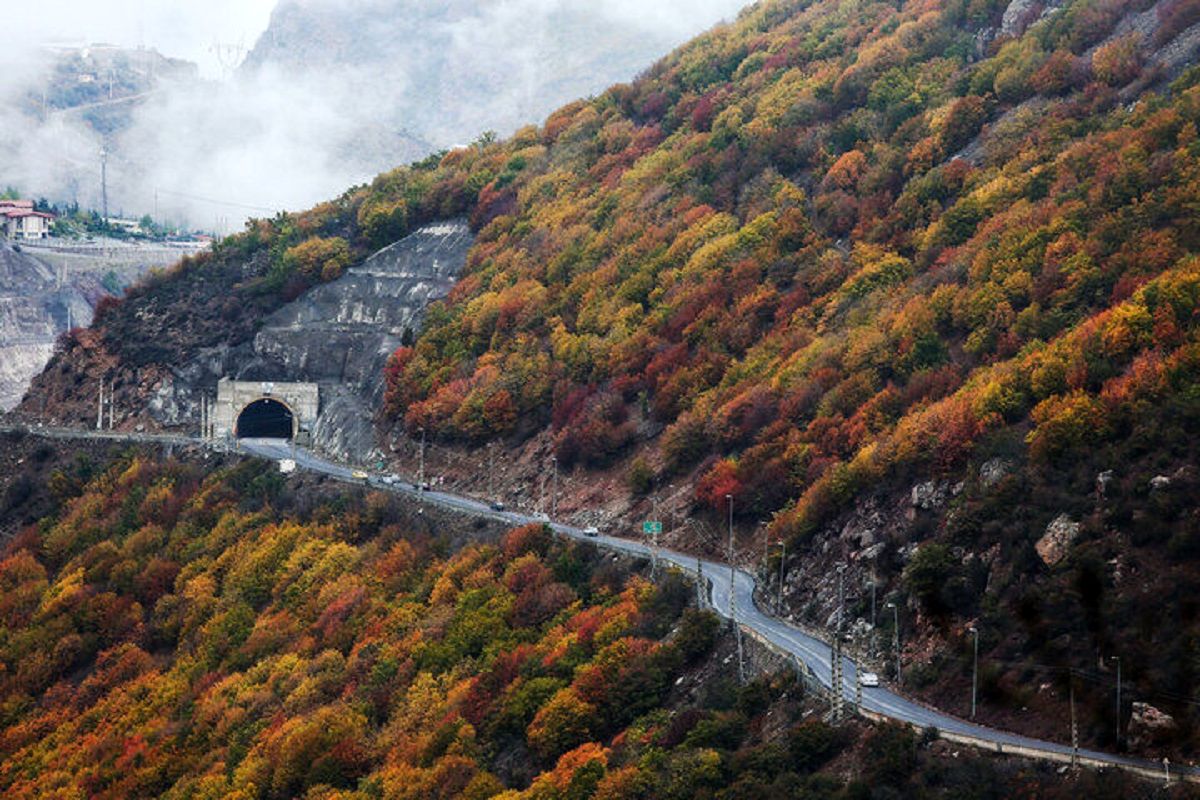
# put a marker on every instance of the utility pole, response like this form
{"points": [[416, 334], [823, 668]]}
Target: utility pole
{"points": [[732, 574], [541, 504], [766, 544], [491, 471], [654, 526], [554, 497], [421, 464], [836, 675], [1074, 726], [874, 616], [974, 671], [112, 404], [671, 493], [896, 641], [104, 182], [1118, 660], [203, 417], [782, 561], [737, 629], [100, 408]]}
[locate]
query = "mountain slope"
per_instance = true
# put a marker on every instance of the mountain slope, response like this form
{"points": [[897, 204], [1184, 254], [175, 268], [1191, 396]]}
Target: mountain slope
{"points": [[177, 629], [918, 283]]}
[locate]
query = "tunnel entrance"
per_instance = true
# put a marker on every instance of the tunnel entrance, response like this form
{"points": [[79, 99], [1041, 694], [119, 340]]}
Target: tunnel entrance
{"points": [[265, 419]]}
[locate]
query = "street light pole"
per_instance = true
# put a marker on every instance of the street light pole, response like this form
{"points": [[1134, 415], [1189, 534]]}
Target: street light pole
{"points": [[421, 464], [1118, 660], [974, 671], [874, 616], [896, 640], [782, 561], [671, 512], [491, 471], [732, 574], [554, 498]]}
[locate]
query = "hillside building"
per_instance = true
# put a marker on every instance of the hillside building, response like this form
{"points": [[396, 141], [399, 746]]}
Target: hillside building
{"points": [[21, 221]]}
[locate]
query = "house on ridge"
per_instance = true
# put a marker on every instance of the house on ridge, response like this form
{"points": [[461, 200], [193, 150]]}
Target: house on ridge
{"points": [[21, 221]]}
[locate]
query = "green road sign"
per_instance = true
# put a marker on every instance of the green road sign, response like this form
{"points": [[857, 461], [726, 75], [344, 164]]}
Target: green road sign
{"points": [[651, 528]]}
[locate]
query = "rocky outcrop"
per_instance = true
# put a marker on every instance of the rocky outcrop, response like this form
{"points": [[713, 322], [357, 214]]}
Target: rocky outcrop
{"points": [[34, 310], [993, 471], [1148, 726], [338, 335], [1060, 534]]}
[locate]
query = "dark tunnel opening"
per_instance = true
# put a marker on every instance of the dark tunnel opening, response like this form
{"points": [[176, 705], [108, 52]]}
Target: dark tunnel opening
{"points": [[265, 419]]}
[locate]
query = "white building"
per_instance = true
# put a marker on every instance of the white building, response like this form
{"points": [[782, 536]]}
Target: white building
{"points": [[21, 221]]}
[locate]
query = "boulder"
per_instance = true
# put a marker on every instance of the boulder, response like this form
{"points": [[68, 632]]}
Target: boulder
{"points": [[993, 471], [930, 496], [1149, 726], [1060, 534], [1160, 483]]}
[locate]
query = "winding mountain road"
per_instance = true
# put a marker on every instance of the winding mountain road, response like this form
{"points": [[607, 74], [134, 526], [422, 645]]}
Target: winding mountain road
{"points": [[815, 654]]}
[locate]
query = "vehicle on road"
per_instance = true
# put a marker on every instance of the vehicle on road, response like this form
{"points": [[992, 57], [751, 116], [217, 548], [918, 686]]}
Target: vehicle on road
{"points": [[498, 505], [591, 531], [359, 475], [287, 466], [870, 680]]}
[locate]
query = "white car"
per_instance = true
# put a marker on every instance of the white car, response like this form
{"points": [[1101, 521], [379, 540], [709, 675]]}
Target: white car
{"points": [[870, 680], [591, 531]]}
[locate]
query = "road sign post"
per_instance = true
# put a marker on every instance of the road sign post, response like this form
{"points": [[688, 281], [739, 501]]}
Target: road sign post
{"points": [[653, 529]]}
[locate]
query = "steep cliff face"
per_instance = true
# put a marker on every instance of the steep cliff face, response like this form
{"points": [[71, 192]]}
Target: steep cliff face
{"points": [[339, 335], [34, 310]]}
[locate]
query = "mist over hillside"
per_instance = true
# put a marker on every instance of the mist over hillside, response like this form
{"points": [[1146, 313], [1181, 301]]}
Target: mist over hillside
{"points": [[333, 93]]}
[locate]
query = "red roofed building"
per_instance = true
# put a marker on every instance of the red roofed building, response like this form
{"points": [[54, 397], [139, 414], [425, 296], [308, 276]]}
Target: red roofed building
{"points": [[21, 221]]}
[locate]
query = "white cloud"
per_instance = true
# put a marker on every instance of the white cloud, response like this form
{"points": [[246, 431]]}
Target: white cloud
{"points": [[180, 28]]}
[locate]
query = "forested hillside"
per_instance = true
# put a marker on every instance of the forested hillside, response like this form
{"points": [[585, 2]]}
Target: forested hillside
{"points": [[171, 630], [822, 257]]}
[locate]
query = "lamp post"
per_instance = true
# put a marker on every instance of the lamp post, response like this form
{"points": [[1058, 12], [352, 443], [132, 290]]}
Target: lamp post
{"points": [[554, 496], [671, 511], [974, 671], [421, 464], [491, 471], [782, 561], [1118, 660], [896, 640], [732, 569], [874, 616]]}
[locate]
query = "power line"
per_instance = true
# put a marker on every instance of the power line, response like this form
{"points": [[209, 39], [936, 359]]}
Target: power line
{"points": [[214, 201]]}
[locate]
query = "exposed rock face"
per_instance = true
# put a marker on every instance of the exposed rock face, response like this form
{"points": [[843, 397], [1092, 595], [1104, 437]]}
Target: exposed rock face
{"points": [[1149, 726], [993, 471], [1056, 543], [339, 335], [933, 495], [33, 312]]}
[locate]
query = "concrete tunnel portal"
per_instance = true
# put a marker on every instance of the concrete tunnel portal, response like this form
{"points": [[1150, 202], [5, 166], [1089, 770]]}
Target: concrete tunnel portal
{"points": [[262, 410], [266, 418]]}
